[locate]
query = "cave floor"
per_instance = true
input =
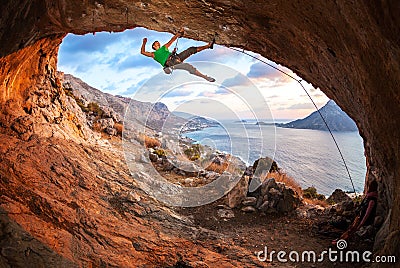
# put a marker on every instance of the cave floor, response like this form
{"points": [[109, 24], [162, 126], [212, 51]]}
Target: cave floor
{"points": [[255, 231]]}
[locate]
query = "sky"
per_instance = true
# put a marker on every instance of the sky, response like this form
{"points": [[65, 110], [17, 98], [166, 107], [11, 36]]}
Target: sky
{"points": [[244, 89]]}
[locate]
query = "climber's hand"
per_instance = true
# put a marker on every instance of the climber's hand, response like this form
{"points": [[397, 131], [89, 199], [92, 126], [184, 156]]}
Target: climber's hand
{"points": [[181, 32]]}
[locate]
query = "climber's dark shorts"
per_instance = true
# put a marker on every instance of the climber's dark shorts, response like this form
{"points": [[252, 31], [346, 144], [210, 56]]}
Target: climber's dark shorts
{"points": [[180, 57]]}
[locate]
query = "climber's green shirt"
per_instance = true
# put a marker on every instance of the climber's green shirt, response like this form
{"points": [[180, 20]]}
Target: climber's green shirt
{"points": [[161, 55]]}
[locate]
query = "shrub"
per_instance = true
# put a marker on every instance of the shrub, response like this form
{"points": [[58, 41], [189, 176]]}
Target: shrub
{"points": [[97, 127], [311, 193], [219, 168], [160, 152], [81, 105], [91, 107], [150, 142], [119, 127], [68, 92], [95, 109], [194, 152], [358, 199]]}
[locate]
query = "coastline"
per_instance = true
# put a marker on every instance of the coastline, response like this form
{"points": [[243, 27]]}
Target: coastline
{"points": [[305, 162]]}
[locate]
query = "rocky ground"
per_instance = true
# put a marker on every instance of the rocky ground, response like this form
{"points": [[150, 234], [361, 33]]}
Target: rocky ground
{"points": [[255, 231], [273, 216]]}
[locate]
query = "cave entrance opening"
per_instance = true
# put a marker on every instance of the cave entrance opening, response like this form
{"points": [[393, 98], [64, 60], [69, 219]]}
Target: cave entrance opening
{"points": [[111, 62]]}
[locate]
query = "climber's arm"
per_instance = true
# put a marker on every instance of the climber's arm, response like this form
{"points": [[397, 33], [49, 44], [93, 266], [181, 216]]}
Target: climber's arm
{"points": [[371, 205], [143, 49], [173, 39]]}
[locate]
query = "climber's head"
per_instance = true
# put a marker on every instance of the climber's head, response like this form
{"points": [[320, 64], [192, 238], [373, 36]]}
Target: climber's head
{"points": [[155, 45]]}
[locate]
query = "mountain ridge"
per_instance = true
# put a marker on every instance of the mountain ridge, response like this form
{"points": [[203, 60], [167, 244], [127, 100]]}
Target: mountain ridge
{"points": [[334, 116]]}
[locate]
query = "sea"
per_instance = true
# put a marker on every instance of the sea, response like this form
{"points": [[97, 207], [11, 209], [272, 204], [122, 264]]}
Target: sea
{"points": [[309, 156]]}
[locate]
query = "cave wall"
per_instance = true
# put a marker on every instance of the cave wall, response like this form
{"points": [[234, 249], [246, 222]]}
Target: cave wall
{"points": [[350, 50]]}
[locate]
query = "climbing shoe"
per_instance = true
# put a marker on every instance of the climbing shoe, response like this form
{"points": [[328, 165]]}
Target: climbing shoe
{"points": [[212, 43], [210, 79]]}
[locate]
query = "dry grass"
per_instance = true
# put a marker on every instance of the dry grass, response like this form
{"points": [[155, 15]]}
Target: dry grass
{"points": [[322, 203], [149, 142], [226, 165], [119, 127], [292, 183], [96, 127], [219, 168], [287, 180]]}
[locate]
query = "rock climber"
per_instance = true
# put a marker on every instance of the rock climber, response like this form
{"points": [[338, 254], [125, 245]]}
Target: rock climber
{"points": [[366, 212], [172, 60]]}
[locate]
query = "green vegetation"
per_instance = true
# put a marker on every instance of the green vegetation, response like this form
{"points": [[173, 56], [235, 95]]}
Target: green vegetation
{"points": [[80, 104], [160, 152], [92, 107], [95, 109], [68, 92], [274, 167], [193, 153], [311, 193], [358, 199]]}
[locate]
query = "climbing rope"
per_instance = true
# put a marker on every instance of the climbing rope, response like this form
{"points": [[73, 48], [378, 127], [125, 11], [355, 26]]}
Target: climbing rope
{"points": [[316, 108], [174, 54]]}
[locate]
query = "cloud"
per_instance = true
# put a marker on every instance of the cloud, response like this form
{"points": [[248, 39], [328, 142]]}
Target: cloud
{"points": [[88, 43], [214, 93], [178, 93], [318, 95], [238, 80], [273, 97], [223, 91], [301, 106], [134, 61], [218, 54], [259, 70]]}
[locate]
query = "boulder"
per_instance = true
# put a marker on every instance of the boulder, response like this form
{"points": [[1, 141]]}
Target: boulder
{"points": [[153, 157], [345, 208], [267, 185], [105, 123], [248, 209], [289, 202], [274, 191], [249, 201], [225, 213], [111, 131], [276, 197], [264, 206], [255, 184], [338, 196], [167, 165], [188, 181], [236, 196], [262, 166]]}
